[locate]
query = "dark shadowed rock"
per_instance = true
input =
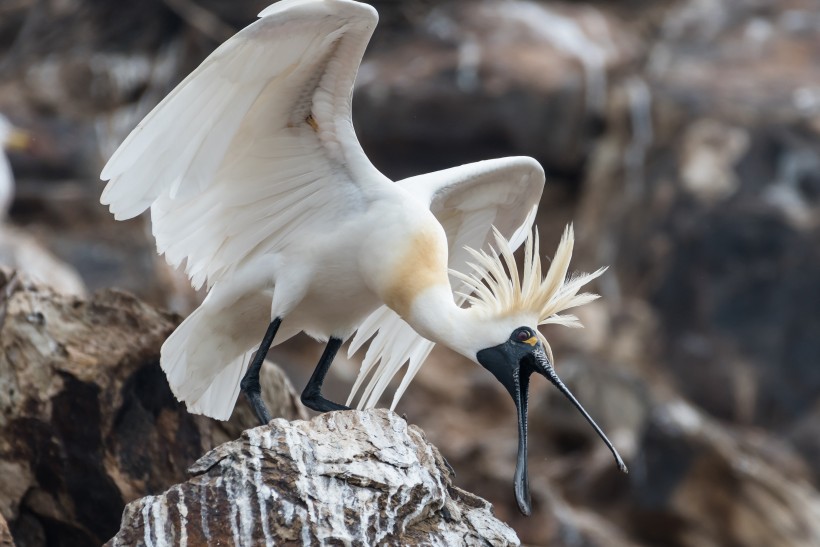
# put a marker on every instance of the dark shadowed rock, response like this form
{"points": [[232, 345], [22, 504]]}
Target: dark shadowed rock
{"points": [[353, 478], [693, 481], [87, 421], [805, 436], [697, 483], [703, 196]]}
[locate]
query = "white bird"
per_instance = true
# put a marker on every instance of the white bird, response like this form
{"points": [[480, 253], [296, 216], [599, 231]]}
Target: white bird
{"points": [[11, 138], [18, 249], [257, 184]]}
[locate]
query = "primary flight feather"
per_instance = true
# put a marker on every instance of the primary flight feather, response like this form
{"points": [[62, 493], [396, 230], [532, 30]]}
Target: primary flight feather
{"points": [[258, 187]]}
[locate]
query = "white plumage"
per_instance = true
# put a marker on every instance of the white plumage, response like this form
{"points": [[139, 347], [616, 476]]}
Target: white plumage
{"points": [[6, 176], [258, 186], [19, 249]]}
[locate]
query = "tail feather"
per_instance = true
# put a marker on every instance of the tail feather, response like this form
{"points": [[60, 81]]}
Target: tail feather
{"points": [[203, 366], [220, 397]]}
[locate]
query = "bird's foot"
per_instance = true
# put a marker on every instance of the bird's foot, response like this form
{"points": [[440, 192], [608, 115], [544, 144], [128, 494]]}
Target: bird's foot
{"points": [[254, 397], [320, 404]]}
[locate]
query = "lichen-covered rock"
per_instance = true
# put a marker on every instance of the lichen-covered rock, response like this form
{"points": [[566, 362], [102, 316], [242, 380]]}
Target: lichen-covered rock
{"points": [[343, 478]]}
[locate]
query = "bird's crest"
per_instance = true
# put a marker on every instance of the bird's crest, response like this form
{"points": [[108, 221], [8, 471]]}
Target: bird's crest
{"points": [[497, 293]]}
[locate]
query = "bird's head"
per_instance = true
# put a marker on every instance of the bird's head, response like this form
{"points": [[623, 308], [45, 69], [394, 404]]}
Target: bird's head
{"points": [[512, 309]]}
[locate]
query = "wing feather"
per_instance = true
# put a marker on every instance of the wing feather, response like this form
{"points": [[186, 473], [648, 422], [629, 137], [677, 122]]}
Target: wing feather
{"points": [[468, 201], [256, 141]]}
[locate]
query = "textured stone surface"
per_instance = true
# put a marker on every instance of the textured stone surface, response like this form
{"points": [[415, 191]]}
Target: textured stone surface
{"points": [[79, 408], [87, 421], [347, 478], [5, 534]]}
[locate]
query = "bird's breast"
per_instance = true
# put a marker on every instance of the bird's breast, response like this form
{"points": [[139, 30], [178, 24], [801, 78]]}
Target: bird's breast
{"points": [[390, 255], [419, 262]]}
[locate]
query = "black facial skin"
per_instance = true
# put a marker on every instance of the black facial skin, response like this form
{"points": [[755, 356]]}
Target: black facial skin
{"points": [[512, 363]]}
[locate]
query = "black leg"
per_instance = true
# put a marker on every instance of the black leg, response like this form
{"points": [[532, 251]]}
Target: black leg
{"points": [[312, 395], [250, 382]]}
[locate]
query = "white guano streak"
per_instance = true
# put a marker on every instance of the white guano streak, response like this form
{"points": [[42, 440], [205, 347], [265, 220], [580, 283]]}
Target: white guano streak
{"points": [[203, 514], [182, 509], [296, 452], [262, 491], [159, 512], [146, 519], [243, 503]]}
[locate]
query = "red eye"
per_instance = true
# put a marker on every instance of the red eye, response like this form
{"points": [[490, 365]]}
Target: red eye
{"points": [[523, 335]]}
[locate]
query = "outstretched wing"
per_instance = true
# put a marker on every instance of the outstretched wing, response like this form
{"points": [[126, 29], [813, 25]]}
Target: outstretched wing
{"points": [[468, 201], [256, 142]]}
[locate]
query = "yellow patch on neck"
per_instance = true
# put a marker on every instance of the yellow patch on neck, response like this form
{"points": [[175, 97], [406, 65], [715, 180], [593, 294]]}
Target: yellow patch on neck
{"points": [[422, 265], [532, 340]]}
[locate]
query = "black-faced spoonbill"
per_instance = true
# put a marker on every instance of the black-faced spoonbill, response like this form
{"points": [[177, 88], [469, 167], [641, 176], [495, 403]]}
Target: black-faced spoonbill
{"points": [[257, 184]]}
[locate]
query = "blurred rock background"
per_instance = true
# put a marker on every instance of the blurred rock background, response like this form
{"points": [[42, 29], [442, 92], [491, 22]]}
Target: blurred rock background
{"points": [[682, 137]]}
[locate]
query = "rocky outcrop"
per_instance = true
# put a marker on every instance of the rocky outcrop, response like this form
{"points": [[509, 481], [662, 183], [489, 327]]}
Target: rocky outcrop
{"points": [[5, 534], [536, 75], [20, 251], [87, 421], [700, 484], [703, 196], [348, 478]]}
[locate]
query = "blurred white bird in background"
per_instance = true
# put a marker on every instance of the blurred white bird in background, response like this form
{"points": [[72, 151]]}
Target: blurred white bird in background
{"points": [[18, 249], [257, 184], [11, 138]]}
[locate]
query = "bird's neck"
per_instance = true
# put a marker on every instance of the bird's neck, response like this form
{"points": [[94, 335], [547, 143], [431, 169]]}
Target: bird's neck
{"points": [[436, 316]]}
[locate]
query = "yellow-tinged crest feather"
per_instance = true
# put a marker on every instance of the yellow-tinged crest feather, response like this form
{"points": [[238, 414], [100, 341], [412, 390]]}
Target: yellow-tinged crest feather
{"points": [[496, 292]]}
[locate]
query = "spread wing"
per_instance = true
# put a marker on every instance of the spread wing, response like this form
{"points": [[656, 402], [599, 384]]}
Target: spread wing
{"points": [[468, 201], [256, 145]]}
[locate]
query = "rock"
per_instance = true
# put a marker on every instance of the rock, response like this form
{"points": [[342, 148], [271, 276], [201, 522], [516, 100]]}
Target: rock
{"points": [[471, 80], [81, 412], [708, 50], [702, 196], [697, 484], [804, 435], [5, 534], [693, 481], [580, 526], [21, 251], [355, 478], [87, 421], [68, 218]]}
